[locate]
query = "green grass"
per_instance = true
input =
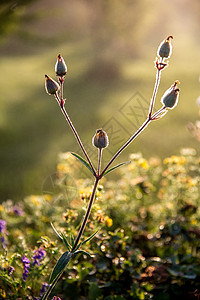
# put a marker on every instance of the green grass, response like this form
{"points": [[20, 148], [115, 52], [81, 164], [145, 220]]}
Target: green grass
{"points": [[33, 131]]}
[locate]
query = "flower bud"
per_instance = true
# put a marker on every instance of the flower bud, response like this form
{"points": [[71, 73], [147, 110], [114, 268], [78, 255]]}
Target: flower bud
{"points": [[60, 67], [165, 48], [170, 97], [100, 139], [51, 86]]}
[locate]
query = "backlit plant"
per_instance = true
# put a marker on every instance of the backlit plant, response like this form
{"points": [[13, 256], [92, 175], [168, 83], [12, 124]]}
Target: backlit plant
{"points": [[101, 141]]}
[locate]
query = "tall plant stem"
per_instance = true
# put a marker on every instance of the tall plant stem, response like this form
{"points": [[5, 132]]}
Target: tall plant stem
{"points": [[61, 104], [87, 214], [144, 125]]}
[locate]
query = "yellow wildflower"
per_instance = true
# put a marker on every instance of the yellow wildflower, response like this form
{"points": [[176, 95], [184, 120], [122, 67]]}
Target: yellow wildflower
{"points": [[108, 221], [192, 181], [63, 168], [35, 200], [48, 197], [180, 160], [143, 163]]}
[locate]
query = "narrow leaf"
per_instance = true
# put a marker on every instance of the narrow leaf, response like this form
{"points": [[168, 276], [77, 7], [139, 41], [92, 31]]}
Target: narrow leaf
{"points": [[82, 252], [88, 239], [83, 162], [117, 166], [66, 242], [60, 265], [72, 240], [56, 231]]}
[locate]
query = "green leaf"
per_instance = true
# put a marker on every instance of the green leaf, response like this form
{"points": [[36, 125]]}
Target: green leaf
{"points": [[117, 166], [82, 252], [56, 231], [66, 242], [83, 162], [88, 239], [94, 292], [72, 240], [60, 265]]}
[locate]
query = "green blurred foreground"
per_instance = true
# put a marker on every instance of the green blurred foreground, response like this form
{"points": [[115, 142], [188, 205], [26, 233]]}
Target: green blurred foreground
{"points": [[147, 246]]}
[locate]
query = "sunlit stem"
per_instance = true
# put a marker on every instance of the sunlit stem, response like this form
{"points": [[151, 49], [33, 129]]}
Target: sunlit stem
{"points": [[158, 113], [61, 80], [61, 104], [158, 74], [99, 162], [144, 125]]}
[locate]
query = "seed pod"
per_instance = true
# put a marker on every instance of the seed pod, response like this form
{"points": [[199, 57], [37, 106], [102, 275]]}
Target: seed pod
{"points": [[60, 67], [170, 97], [165, 48], [51, 86], [100, 139]]}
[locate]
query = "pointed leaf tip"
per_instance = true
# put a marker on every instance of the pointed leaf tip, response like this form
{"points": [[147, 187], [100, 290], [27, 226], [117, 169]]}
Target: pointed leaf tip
{"points": [[86, 164], [60, 265], [117, 166], [56, 231]]}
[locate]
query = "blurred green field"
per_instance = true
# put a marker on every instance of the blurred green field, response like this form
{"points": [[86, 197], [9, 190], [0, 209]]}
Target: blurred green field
{"points": [[97, 86]]}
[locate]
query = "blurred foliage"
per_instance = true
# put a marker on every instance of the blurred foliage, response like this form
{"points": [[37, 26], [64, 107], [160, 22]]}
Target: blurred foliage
{"points": [[194, 128], [11, 14], [147, 246]]}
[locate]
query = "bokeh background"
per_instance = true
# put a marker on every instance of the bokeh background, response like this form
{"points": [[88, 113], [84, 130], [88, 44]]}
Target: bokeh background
{"points": [[110, 48]]}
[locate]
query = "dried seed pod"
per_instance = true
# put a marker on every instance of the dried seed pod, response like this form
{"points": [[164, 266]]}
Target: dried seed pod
{"points": [[100, 139], [60, 67], [51, 86], [165, 48], [170, 97]]}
